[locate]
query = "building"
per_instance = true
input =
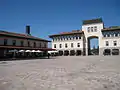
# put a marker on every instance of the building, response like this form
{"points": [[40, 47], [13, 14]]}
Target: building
{"points": [[10, 42], [77, 42]]}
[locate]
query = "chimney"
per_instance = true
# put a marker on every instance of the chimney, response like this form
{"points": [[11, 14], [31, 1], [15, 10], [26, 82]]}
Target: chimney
{"points": [[28, 30]]}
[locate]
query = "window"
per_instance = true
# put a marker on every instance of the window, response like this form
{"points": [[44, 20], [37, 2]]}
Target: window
{"points": [[91, 29], [45, 45], [88, 29], [34, 44], [107, 43], [108, 35], [14, 42], [66, 45], [5, 41], [95, 28], [79, 37], [22, 43], [71, 44], [76, 37], [115, 43], [28, 43], [78, 44], [40, 45], [112, 35], [67, 38], [104, 35], [54, 45], [60, 45], [116, 34]]}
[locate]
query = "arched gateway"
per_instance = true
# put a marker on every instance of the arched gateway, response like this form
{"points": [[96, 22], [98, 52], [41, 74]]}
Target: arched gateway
{"points": [[92, 30], [93, 46]]}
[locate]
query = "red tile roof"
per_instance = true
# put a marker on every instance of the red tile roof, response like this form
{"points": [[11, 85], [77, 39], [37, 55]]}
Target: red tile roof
{"points": [[67, 33], [110, 29], [21, 35]]}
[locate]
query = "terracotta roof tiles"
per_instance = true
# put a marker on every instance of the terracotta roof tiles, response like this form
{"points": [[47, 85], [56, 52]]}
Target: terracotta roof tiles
{"points": [[21, 35]]}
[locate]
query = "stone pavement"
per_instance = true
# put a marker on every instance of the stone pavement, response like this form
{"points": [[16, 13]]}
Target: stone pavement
{"points": [[61, 73]]}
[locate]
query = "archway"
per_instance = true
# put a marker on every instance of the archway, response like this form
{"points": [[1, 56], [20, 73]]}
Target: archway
{"points": [[72, 52], [66, 53], [78, 52], [107, 52], [60, 53], [115, 51], [93, 45]]}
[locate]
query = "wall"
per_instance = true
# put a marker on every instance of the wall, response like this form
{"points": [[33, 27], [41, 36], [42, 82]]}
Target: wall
{"points": [[18, 40], [68, 42], [89, 34]]}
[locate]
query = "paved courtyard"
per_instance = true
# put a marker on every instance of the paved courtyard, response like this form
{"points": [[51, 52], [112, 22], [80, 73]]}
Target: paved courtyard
{"points": [[61, 73]]}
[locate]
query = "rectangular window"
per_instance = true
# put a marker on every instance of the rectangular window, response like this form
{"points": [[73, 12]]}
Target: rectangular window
{"points": [[76, 37], [91, 29], [5, 41], [108, 35], [116, 34], [54, 45], [14, 42], [22, 43], [115, 43], [60, 45], [107, 43], [88, 29], [34, 44], [95, 28], [71, 44], [28, 43], [66, 45], [45, 45], [40, 45], [78, 44], [104, 35]]}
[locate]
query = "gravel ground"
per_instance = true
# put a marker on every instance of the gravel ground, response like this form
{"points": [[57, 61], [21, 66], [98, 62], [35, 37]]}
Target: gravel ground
{"points": [[61, 73]]}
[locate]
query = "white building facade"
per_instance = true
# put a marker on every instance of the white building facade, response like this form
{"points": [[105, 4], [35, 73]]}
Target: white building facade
{"points": [[77, 42]]}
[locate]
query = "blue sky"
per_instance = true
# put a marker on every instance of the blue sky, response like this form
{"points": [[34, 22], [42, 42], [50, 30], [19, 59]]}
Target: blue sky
{"points": [[48, 17]]}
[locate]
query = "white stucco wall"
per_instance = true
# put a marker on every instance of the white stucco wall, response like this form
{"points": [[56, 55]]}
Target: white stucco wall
{"points": [[68, 42], [110, 40], [98, 33]]}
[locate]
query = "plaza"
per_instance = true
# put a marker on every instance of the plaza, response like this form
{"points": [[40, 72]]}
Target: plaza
{"points": [[61, 73]]}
